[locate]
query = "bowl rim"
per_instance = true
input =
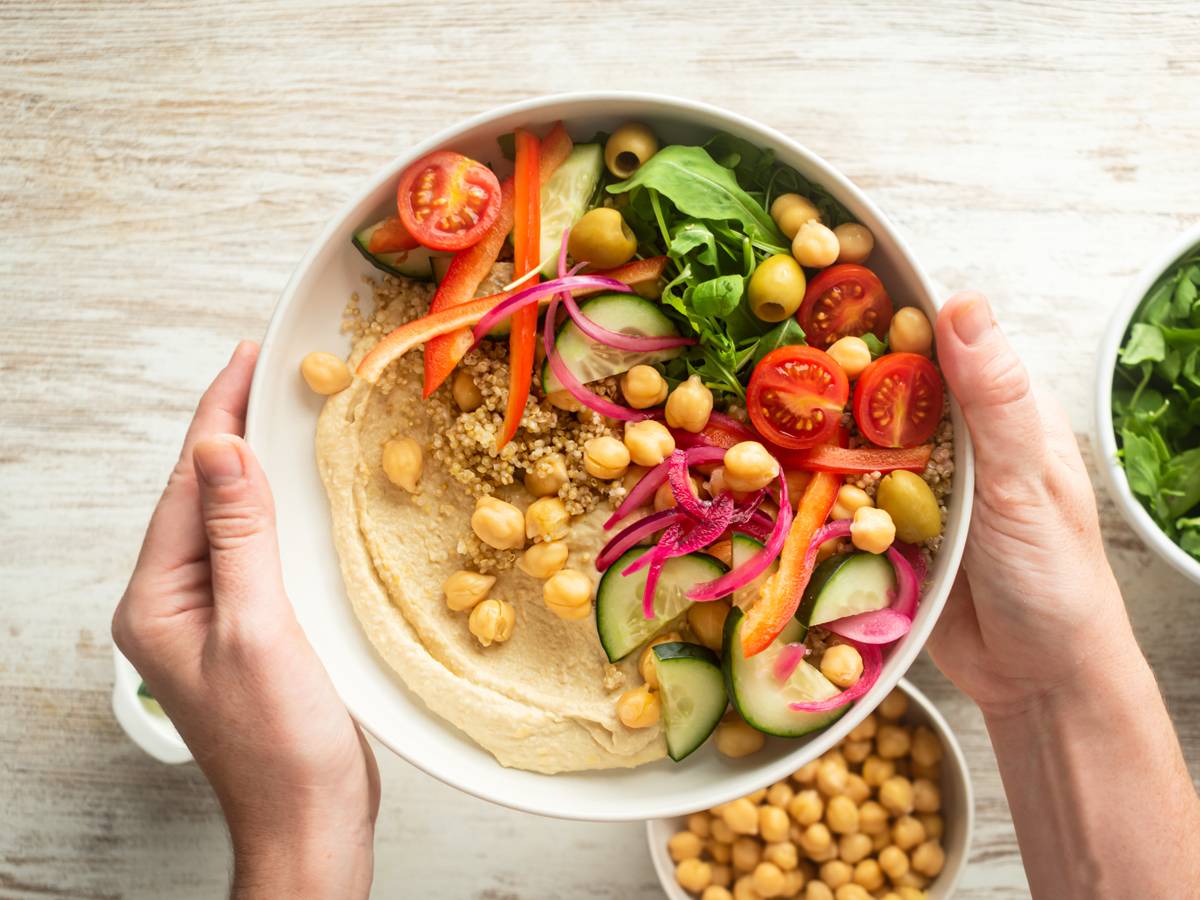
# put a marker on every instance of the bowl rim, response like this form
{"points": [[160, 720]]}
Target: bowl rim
{"points": [[946, 881], [1105, 443], [830, 176]]}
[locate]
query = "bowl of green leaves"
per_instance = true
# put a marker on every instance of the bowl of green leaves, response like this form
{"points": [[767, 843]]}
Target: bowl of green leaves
{"points": [[1148, 405]]}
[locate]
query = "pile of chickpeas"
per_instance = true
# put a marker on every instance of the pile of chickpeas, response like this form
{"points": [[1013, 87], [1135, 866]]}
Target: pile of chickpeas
{"points": [[862, 821]]}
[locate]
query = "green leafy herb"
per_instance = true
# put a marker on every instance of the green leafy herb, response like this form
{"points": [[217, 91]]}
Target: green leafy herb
{"points": [[877, 347], [787, 333]]}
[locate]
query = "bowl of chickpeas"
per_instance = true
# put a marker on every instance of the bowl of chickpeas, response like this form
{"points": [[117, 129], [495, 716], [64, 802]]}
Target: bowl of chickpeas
{"points": [[887, 814]]}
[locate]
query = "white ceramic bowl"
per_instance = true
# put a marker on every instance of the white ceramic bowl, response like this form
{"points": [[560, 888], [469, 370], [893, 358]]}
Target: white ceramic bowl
{"points": [[281, 423], [958, 809], [1105, 441]]}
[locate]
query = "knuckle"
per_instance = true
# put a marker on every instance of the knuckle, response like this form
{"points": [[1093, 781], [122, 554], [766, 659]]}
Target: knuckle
{"points": [[1002, 381], [233, 527]]}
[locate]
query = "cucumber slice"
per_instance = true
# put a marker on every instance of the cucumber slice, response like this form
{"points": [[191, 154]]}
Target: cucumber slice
{"points": [[743, 548], [693, 695], [416, 264], [845, 585], [591, 361], [759, 697], [619, 619], [566, 197]]}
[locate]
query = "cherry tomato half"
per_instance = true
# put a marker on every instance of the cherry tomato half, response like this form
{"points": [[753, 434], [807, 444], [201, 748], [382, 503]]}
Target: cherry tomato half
{"points": [[447, 201], [898, 401], [844, 300], [796, 396]]}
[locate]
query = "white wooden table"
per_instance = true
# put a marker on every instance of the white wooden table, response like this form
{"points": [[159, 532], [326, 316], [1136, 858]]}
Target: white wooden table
{"points": [[163, 166]]}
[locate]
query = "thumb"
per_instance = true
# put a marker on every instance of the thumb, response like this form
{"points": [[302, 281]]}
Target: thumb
{"points": [[239, 521], [990, 384]]}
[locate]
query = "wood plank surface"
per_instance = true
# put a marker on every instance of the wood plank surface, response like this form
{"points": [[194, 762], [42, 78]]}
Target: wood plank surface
{"points": [[164, 165]]}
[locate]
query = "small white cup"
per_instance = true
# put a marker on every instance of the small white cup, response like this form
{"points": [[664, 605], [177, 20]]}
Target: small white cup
{"points": [[152, 732]]}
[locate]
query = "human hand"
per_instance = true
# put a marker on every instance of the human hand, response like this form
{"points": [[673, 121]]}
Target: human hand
{"points": [[1036, 602], [207, 623]]}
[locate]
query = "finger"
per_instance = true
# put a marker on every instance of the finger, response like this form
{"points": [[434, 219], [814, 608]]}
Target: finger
{"points": [[1057, 427], [990, 383], [239, 526]]}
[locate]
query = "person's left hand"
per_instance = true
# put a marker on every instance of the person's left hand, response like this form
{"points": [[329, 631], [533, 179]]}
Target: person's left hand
{"points": [[207, 624]]}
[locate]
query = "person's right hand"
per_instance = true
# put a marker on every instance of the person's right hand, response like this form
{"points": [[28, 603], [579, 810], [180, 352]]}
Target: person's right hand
{"points": [[1036, 602]]}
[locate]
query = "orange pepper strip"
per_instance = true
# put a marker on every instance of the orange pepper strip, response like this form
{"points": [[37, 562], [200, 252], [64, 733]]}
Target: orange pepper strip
{"points": [[860, 460], [464, 316], [781, 593], [391, 237], [469, 267], [527, 227]]}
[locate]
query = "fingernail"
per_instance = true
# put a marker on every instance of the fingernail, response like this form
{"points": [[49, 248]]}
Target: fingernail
{"points": [[218, 461], [972, 320]]}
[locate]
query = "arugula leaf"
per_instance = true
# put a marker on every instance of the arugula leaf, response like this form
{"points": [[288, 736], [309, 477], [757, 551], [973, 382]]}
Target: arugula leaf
{"points": [[716, 297], [1146, 344], [877, 347], [689, 235], [787, 333], [1141, 464]]}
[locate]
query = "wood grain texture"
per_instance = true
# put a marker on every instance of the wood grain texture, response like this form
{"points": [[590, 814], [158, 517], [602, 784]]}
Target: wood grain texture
{"points": [[164, 165]]}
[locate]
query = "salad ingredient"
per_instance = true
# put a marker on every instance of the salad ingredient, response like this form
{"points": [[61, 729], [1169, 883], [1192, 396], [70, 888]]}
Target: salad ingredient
{"points": [[749, 467], [815, 245], [546, 475], [707, 621], [882, 626], [602, 239], [790, 211], [872, 529], [910, 332], [619, 618], [605, 458], [408, 259], [565, 197], [448, 201], [464, 589], [544, 559], [860, 460], [855, 242], [568, 594], [693, 695], [643, 386], [628, 148], [325, 373], [498, 524], [735, 738], [689, 405], [388, 236], [911, 504], [639, 707], [782, 591], [465, 391], [846, 585], [872, 665], [796, 396], [776, 288], [849, 500], [492, 621], [852, 354], [648, 442], [751, 565], [547, 519], [898, 400], [844, 300], [402, 462], [843, 666], [648, 662]]}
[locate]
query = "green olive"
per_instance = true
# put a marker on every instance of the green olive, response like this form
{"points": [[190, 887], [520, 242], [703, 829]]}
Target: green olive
{"points": [[776, 288], [911, 504], [602, 239], [628, 148]]}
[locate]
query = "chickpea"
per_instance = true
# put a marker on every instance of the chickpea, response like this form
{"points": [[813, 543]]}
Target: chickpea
{"points": [[639, 707], [864, 730], [722, 875], [912, 885], [783, 853], [565, 401], [815, 246], [780, 793], [857, 789], [841, 815], [850, 499], [544, 559], [927, 796], [872, 818], [772, 824], [647, 664], [768, 879], [628, 148], [842, 664], [872, 530], [568, 594], [643, 387], [834, 756], [790, 211], [776, 288], [699, 824], [743, 889], [817, 890], [735, 739], [855, 242], [547, 518], [498, 524], [707, 621], [492, 621], [716, 892], [402, 460], [547, 475], [831, 778], [807, 773], [852, 354], [693, 875], [749, 467], [684, 845], [929, 858], [877, 770], [911, 504], [816, 839], [794, 880], [853, 847], [896, 795], [741, 815], [325, 373], [648, 442], [465, 392], [893, 741], [879, 841], [868, 874], [664, 497], [797, 480], [893, 861], [934, 825], [926, 748], [852, 892], [835, 873], [605, 458], [807, 807], [856, 752], [722, 833], [910, 332], [907, 832], [689, 405], [465, 589], [747, 852], [894, 705]]}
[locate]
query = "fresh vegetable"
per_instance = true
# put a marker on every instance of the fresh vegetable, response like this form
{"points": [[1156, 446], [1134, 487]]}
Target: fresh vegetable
{"points": [[858, 461], [389, 236], [905, 559], [414, 262], [898, 400], [644, 490], [448, 201], [796, 396], [1156, 403], [776, 288], [629, 147], [602, 239], [693, 695], [872, 665], [845, 585], [744, 550], [910, 502], [844, 300], [565, 198]]}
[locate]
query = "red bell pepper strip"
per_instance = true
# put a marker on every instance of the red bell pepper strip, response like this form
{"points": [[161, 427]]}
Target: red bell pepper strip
{"points": [[391, 237], [464, 316], [859, 461], [527, 228], [781, 593], [469, 267]]}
